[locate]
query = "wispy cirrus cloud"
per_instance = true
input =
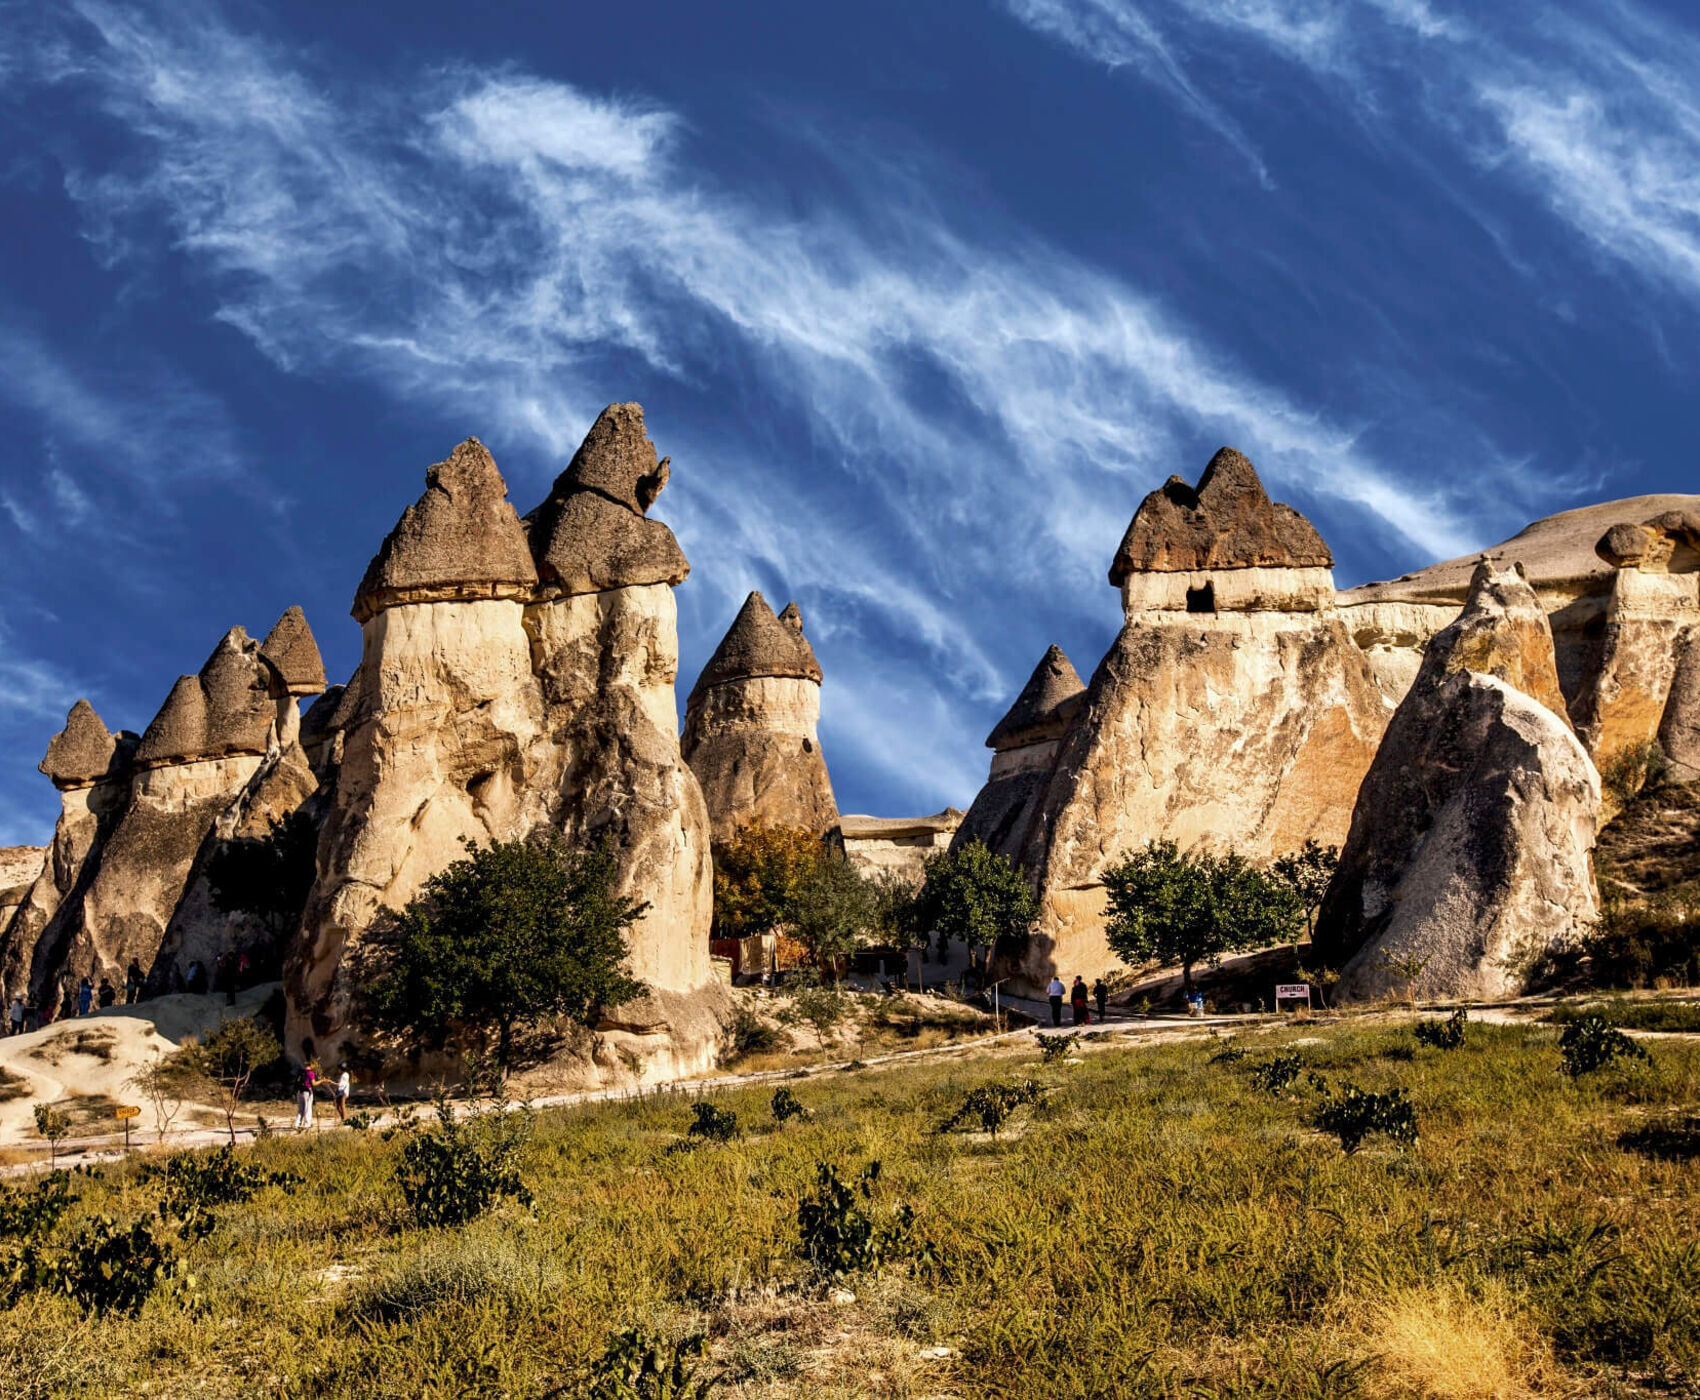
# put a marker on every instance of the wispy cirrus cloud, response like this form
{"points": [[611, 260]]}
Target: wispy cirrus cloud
{"points": [[1593, 108], [978, 411]]}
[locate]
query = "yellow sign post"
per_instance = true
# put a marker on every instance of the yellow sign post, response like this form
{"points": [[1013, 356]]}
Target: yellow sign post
{"points": [[124, 1113]]}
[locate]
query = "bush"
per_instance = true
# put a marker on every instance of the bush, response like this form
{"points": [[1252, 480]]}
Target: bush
{"points": [[1627, 1013], [992, 1104], [452, 1270], [748, 1034], [1444, 1035], [1592, 1044], [54, 1124], [785, 1107], [1279, 1074], [1632, 770], [712, 1123], [106, 1269], [1357, 1113], [458, 1172], [638, 1366], [195, 1184], [836, 1232], [1056, 1047], [818, 1005]]}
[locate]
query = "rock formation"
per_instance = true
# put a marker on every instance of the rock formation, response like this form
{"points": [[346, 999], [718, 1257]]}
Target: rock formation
{"points": [[1233, 708], [1470, 843], [1679, 727], [750, 726], [89, 765], [1024, 745], [519, 676], [897, 847], [20, 868]]}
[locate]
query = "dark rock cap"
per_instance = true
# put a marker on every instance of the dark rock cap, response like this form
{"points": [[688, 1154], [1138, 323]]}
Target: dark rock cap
{"points": [[293, 653], [1045, 705], [591, 532], [227, 709], [81, 752], [1228, 522], [759, 644], [461, 539], [1503, 632], [1627, 545]]}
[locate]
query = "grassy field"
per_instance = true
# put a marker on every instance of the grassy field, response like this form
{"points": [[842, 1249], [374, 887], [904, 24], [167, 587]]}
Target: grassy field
{"points": [[1157, 1225]]}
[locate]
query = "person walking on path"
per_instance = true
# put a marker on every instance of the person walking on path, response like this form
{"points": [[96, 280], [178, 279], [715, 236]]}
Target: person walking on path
{"points": [[342, 1096], [1100, 994], [16, 1015], [108, 993], [1077, 999], [133, 979], [305, 1087], [1055, 993], [85, 997]]}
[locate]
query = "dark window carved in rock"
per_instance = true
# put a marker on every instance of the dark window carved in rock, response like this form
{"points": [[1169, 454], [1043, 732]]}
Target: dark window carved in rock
{"points": [[1201, 600]]}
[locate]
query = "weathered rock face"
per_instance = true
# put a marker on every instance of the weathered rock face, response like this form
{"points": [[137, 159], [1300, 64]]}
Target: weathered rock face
{"points": [[499, 695], [751, 726], [219, 759], [1679, 728], [20, 868], [895, 847], [1250, 729], [1471, 840], [1025, 744]]}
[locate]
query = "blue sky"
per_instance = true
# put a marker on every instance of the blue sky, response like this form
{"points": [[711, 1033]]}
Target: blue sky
{"points": [[921, 299]]}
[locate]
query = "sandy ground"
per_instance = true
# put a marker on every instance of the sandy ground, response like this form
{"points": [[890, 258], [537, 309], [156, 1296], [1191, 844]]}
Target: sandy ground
{"points": [[90, 1058]]}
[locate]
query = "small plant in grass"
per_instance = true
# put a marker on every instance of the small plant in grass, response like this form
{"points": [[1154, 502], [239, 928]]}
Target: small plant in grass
{"points": [[1407, 969], [194, 1184], [638, 1366], [362, 1121], [458, 1171], [54, 1124], [1357, 1114], [817, 1004], [108, 1269], [1279, 1074], [786, 1106], [992, 1104], [711, 1123], [1444, 1035], [1593, 1043], [1228, 1053], [836, 1230], [1056, 1047], [747, 1034], [164, 1083]]}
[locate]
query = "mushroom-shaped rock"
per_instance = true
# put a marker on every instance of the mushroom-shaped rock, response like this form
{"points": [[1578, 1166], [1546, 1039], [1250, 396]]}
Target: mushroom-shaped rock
{"points": [[227, 709], [81, 752], [294, 655], [1470, 844], [1045, 705], [1227, 522], [460, 540], [592, 532], [1668, 542], [759, 644]]}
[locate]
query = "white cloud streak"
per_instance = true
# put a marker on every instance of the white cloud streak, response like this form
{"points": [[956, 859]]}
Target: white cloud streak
{"points": [[503, 245]]}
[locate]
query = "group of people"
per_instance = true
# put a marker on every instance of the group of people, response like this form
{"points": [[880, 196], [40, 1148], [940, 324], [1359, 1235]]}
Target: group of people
{"points": [[308, 1081], [1080, 999], [65, 1001]]}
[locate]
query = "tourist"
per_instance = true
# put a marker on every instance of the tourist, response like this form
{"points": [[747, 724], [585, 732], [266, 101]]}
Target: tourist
{"points": [[342, 1096], [108, 993], [305, 1087], [196, 981], [1055, 993], [1101, 995], [1077, 999], [16, 1015], [133, 980], [85, 997]]}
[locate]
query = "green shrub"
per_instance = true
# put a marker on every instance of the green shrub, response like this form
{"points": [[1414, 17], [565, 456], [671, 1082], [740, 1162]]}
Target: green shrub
{"points": [[458, 1171], [786, 1106], [638, 1366], [195, 1184], [838, 1235], [106, 1269], [31, 1212], [1635, 1014], [1279, 1074], [713, 1123], [748, 1034], [1357, 1113], [1632, 770], [54, 1124], [1593, 1043], [992, 1104], [1444, 1035], [1056, 1047]]}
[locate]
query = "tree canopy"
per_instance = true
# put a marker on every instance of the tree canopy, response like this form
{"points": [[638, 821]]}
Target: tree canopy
{"points": [[515, 933], [227, 1058], [777, 879], [1307, 873], [1193, 906], [975, 895]]}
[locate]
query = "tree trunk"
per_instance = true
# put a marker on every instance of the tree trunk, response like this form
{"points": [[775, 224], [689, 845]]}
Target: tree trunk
{"points": [[504, 1047], [1186, 978]]}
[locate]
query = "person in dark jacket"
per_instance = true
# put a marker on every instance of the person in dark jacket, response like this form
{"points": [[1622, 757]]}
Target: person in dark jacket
{"points": [[1101, 995], [1077, 999]]}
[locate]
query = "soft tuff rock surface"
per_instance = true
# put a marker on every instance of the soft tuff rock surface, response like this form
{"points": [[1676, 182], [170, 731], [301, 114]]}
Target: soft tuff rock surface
{"points": [[292, 653], [20, 868], [1471, 839], [751, 732], [487, 717], [1679, 727], [1025, 744], [1245, 729], [82, 751]]}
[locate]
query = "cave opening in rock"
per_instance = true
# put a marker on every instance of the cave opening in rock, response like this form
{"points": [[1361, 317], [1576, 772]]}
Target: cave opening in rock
{"points": [[1201, 600]]}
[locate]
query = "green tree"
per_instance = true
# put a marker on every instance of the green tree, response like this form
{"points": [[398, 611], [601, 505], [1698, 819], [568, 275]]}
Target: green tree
{"points": [[514, 933], [816, 1003], [227, 1059], [757, 875], [267, 877], [1193, 906], [1307, 873], [54, 1124], [977, 896], [831, 912]]}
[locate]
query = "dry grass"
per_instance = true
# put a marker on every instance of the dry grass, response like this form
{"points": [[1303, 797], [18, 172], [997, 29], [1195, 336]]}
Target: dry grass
{"points": [[1438, 1343]]}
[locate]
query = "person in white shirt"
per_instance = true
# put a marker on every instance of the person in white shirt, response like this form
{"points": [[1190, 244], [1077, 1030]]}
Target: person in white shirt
{"points": [[17, 1015], [342, 1096], [1055, 992]]}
